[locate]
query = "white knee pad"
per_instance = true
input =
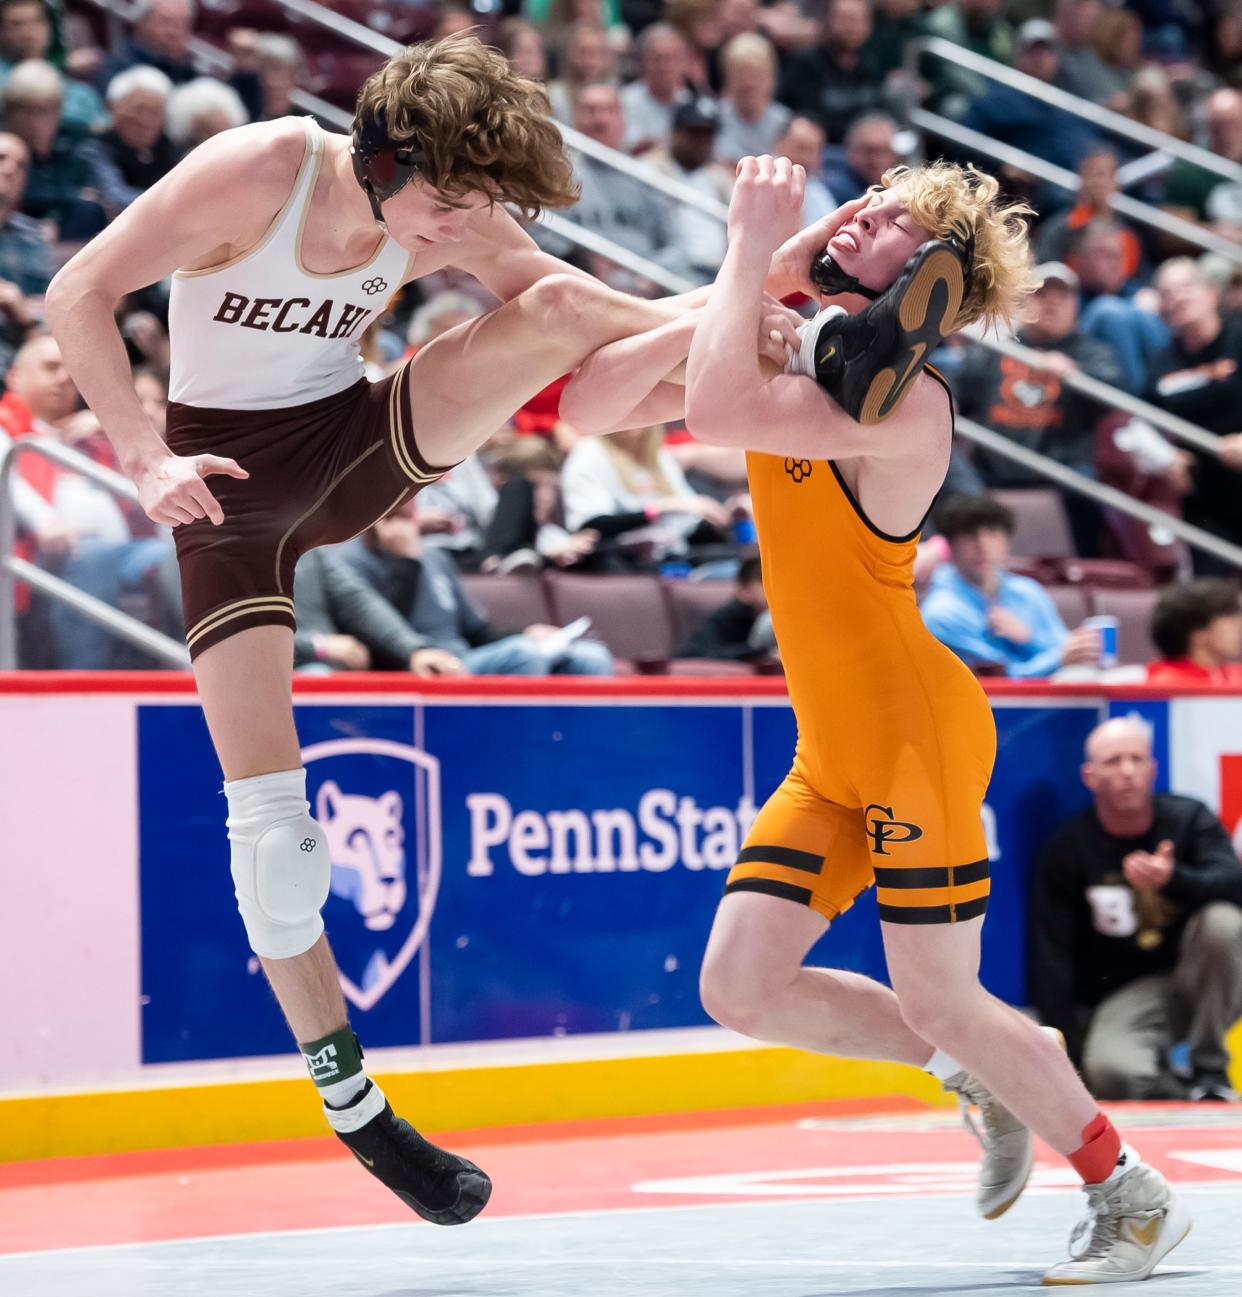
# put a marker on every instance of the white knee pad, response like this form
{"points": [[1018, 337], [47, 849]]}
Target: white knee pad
{"points": [[280, 863]]}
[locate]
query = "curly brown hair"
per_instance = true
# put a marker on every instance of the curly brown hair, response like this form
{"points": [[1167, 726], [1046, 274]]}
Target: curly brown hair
{"points": [[946, 198], [483, 128]]}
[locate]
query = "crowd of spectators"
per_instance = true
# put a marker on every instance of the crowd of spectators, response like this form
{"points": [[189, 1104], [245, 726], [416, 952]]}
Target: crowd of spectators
{"points": [[686, 87]]}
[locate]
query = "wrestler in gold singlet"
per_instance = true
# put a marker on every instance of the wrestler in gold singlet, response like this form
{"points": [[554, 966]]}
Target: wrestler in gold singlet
{"points": [[895, 736]]}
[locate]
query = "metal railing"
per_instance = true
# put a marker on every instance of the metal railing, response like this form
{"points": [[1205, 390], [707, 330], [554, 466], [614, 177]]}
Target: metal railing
{"points": [[1156, 140], [1176, 427], [1109, 496], [1143, 213], [12, 568]]}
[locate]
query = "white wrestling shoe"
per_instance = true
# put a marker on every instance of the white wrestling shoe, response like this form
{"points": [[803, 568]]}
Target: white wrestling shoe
{"points": [[1133, 1222], [1008, 1153]]}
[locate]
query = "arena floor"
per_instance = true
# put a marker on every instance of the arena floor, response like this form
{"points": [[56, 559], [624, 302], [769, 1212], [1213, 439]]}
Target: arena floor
{"points": [[854, 1200]]}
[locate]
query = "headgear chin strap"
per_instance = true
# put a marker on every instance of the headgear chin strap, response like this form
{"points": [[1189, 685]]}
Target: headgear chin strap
{"points": [[382, 166], [831, 280]]}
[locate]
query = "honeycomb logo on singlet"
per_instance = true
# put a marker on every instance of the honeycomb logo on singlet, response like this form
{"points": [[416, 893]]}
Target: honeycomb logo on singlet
{"points": [[378, 803]]}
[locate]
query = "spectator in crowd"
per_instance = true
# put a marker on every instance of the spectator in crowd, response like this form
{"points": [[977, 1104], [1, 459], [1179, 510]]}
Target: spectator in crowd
{"points": [[976, 25], [1199, 377], [81, 530], [1118, 40], [1154, 103], [700, 25], [728, 634], [281, 63], [25, 255], [1191, 189], [613, 204], [586, 60], [699, 241], [870, 149], [1223, 58], [1034, 406], [26, 33], [750, 122], [895, 24], [64, 178], [152, 393], [161, 39], [455, 512], [1016, 118], [345, 625], [631, 490], [200, 109], [1136, 931], [1082, 71], [991, 618], [1059, 232], [452, 18], [527, 529], [836, 80], [438, 314], [135, 152], [648, 103], [523, 45], [1198, 629], [1112, 311], [424, 587], [803, 144]]}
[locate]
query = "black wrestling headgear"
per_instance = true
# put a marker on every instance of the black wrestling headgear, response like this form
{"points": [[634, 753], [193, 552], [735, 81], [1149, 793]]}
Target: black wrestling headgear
{"points": [[382, 166], [831, 280]]}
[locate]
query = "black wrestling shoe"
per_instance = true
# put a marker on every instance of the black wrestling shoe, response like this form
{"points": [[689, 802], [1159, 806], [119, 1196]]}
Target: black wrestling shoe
{"points": [[868, 362], [440, 1186]]}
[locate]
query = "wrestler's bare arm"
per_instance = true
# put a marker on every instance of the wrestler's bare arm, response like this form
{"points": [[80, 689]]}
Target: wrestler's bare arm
{"points": [[214, 204], [502, 256], [732, 401]]}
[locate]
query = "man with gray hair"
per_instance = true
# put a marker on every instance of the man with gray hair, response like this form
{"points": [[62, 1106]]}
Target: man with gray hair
{"points": [[26, 33], [161, 39], [750, 121], [648, 103], [1136, 929], [136, 150], [202, 108], [63, 185], [1199, 377]]}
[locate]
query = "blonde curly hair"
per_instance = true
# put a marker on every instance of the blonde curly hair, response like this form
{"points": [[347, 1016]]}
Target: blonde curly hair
{"points": [[482, 127], [962, 202]]}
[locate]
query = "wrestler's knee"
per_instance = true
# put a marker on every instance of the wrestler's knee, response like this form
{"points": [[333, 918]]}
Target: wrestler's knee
{"points": [[731, 995], [280, 863], [560, 304]]}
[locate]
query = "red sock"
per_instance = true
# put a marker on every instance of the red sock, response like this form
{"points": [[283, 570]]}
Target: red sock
{"points": [[1096, 1160]]}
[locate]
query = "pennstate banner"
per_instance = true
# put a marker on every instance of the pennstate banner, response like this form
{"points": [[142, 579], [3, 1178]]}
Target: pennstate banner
{"points": [[507, 869]]}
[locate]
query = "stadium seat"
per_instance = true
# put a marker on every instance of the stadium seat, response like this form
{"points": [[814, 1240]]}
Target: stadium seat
{"points": [[1041, 528], [1133, 609], [692, 602], [1106, 573], [511, 602], [1071, 602], [629, 613]]}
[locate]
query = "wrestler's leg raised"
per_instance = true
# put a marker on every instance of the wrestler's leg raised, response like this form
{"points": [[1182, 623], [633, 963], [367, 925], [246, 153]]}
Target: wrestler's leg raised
{"points": [[468, 382]]}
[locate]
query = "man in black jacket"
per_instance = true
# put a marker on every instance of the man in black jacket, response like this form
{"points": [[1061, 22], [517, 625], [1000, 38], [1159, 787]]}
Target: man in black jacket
{"points": [[344, 625], [730, 632], [1199, 377], [1136, 928]]}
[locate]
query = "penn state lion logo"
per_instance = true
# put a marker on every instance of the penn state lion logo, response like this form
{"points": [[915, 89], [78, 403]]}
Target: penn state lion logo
{"points": [[365, 839], [378, 803]]}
